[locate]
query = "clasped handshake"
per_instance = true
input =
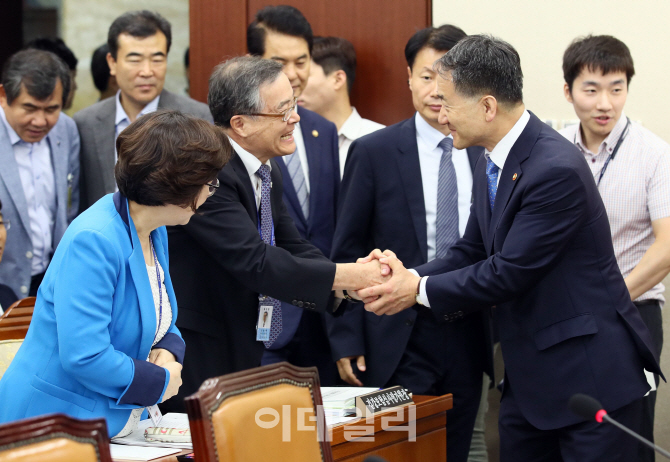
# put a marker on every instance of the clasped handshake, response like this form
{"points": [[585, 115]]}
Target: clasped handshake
{"points": [[379, 280]]}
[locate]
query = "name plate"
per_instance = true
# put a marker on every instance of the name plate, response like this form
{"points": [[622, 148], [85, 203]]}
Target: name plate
{"points": [[382, 400]]}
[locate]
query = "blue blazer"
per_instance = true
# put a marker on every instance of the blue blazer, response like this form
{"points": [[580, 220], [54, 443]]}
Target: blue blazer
{"points": [[544, 258], [93, 326], [381, 206], [320, 137], [63, 141]]}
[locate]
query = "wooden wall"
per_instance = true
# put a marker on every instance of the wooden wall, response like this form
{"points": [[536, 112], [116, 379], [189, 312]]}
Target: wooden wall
{"points": [[379, 30]]}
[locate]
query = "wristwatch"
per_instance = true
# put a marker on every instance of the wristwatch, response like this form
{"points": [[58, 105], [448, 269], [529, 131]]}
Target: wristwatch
{"points": [[418, 293]]}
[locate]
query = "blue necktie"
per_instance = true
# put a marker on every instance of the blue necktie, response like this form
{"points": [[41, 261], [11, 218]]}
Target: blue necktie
{"points": [[492, 177], [266, 234], [446, 229], [294, 167]]}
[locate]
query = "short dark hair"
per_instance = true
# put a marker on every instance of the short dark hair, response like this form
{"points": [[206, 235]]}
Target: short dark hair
{"points": [[139, 24], [284, 19], [234, 87], [100, 68], [39, 71], [57, 47], [597, 52], [484, 65], [441, 38], [166, 157], [334, 54]]}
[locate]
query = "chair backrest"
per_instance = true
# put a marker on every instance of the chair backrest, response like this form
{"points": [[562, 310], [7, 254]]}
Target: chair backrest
{"points": [[266, 413], [15, 321], [56, 438], [8, 349]]}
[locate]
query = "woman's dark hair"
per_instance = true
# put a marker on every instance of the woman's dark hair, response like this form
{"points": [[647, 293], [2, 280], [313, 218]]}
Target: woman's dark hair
{"points": [[166, 157]]}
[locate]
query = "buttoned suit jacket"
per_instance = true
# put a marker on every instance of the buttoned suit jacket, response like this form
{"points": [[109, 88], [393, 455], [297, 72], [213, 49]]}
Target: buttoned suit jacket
{"points": [[544, 258], [97, 130], [382, 206], [220, 265], [63, 140], [93, 327]]}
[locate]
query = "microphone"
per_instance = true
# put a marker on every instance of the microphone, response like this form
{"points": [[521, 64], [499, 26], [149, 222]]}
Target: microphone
{"points": [[589, 408]]}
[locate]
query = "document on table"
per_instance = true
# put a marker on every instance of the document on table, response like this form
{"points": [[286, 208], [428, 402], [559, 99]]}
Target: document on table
{"points": [[120, 451], [339, 403], [171, 420]]}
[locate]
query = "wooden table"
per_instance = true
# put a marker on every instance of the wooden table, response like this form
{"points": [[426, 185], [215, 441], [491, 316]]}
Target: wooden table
{"points": [[429, 422]]}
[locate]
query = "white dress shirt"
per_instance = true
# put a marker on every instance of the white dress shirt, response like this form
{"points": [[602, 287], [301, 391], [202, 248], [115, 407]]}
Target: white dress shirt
{"points": [[430, 154], [39, 187], [252, 164], [498, 156], [353, 128]]}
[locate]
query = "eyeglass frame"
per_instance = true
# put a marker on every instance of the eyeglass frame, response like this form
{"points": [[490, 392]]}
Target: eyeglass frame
{"points": [[6, 223], [213, 187], [285, 115]]}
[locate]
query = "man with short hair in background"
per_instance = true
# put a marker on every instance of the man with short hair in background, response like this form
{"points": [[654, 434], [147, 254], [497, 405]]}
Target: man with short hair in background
{"points": [[139, 42], [331, 79], [311, 178], [39, 165], [102, 79], [631, 167]]}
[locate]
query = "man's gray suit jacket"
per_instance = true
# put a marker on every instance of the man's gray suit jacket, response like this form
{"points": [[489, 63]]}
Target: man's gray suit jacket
{"points": [[97, 130], [16, 264]]}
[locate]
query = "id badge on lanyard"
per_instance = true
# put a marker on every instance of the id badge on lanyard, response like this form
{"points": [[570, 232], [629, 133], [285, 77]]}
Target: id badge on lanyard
{"points": [[264, 302]]}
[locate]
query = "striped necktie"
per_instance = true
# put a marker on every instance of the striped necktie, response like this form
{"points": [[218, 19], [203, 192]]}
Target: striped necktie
{"points": [[446, 232], [294, 167]]}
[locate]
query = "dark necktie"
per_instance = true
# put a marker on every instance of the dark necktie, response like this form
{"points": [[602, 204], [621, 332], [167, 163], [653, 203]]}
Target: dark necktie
{"points": [[266, 234], [446, 229], [492, 178]]}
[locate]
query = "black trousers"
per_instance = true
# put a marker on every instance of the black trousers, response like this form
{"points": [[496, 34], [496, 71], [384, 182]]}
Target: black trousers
{"points": [[650, 312]]}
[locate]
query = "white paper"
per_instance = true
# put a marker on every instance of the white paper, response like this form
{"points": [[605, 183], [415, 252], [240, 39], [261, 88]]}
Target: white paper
{"points": [[336, 397], [139, 453], [172, 420]]}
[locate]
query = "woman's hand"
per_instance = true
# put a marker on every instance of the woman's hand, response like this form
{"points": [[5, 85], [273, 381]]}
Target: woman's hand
{"points": [[175, 379], [160, 357]]}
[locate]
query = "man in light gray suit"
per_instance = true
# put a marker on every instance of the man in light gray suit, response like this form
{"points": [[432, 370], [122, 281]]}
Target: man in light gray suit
{"points": [[139, 42], [39, 165]]}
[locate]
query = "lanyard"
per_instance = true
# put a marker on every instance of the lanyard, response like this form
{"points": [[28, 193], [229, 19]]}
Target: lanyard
{"points": [[614, 151], [160, 290]]}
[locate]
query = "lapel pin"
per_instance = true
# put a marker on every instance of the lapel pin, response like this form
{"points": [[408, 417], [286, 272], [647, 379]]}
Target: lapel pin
{"points": [[514, 177], [58, 143], [315, 134]]}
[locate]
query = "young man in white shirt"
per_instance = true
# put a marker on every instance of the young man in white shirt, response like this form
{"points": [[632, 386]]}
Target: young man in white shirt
{"points": [[331, 78]]}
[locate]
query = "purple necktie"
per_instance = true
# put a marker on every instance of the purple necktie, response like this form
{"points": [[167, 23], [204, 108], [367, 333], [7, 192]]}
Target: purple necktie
{"points": [[266, 234]]}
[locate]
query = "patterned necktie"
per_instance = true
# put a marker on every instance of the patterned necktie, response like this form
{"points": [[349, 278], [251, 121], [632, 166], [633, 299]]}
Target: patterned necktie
{"points": [[266, 234], [294, 167], [446, 232], [492, 177]]}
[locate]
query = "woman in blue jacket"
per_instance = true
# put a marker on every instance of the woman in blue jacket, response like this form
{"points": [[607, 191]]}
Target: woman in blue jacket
{"points": [[103, 340]]}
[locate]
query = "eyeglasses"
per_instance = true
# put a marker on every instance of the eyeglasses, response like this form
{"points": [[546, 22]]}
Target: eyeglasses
{"points": [[6, 223], [213, 187], [285, 115]]}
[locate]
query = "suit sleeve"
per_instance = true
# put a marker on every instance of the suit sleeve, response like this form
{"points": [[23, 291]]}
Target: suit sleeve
{"points": [[293, 269], [73, 170], [352, 240], [553, 210], [84, 314]]}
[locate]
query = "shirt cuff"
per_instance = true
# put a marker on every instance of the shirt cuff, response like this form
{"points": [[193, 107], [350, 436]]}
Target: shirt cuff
{"points": [[174, 344], [422, 288]]}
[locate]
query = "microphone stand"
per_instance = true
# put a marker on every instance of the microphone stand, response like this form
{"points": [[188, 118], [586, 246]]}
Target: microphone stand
{"points": [[658, 449]]}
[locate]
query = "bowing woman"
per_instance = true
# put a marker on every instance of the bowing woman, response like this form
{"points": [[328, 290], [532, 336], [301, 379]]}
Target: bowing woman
{"points": [[103, 340]]}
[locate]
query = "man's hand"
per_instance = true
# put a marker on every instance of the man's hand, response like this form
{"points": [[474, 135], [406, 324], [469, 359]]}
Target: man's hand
{"points": [[397, 294], [347, 372], [354, 276], [175, 380], [160, 357]]}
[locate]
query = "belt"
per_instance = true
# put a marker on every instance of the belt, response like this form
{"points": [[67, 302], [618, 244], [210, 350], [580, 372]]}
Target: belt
{"points": [[647, 303]]}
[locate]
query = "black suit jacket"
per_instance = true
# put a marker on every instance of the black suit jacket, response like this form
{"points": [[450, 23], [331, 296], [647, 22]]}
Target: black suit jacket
{"points": [[544, 257], [382, 206], [219, 266]]}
